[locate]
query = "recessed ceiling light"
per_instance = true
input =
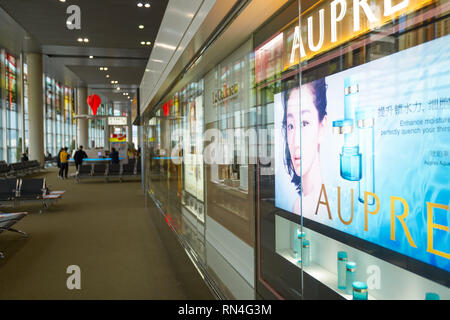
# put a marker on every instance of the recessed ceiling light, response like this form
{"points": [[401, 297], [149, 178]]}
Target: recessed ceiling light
{"points": [[101, 68], [147, 5], [91, 57], [107, 75], [118, 88], [140, 5], [86, 40], [62, 0], [148, 43], [141, 26], [80, 39], [105, 68], [143, 43]]}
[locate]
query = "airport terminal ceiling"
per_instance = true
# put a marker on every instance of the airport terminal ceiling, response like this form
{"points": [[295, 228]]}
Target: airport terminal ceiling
{"points": [[112, 29]]}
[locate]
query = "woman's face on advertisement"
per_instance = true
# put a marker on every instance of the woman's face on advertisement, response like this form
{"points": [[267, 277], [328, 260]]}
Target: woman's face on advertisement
{"points": [[310, 126]]}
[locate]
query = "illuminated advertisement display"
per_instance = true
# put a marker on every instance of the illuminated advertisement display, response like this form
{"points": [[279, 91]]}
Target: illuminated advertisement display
{"points": [[368, 152], [193, 158], [269, 59], [327, 24]]}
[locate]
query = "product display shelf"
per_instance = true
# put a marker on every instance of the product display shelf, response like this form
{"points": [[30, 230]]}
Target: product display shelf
{"points": [[319, 273]]}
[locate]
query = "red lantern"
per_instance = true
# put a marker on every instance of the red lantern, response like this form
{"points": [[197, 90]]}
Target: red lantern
{"points": [[94, 102], [166, 109]]}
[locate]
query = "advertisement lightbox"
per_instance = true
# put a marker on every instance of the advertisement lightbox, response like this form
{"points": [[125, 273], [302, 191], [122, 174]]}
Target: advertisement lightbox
{"points": [[368, 152]]}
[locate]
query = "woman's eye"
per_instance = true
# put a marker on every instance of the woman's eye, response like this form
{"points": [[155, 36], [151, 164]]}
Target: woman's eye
{"points": [[290, 126], [305, 123]]}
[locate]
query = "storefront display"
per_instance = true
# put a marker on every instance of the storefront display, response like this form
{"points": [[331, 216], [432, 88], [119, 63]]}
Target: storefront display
{"points": [[360, 158], [314, 157]]}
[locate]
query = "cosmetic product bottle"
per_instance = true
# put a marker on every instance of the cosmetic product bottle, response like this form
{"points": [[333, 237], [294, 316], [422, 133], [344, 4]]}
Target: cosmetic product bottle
{"points": [[360, 291], [297, 242], [366, 123], [350, 268], [306, 253], [432, 296], [341, 262]]}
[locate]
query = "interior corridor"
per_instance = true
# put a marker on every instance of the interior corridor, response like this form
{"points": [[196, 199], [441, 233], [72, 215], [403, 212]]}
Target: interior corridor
{"points": [[104, 229]]}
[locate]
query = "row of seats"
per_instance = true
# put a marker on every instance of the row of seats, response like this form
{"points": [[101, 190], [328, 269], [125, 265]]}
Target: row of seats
{"points": [[106, 171], [16, 192], [19, 169]]}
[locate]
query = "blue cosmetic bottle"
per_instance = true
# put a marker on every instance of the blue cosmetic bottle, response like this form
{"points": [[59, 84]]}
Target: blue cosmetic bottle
{"points": [[306, 259], [432, 296], [297, 242], [366, 122], [350, 274], [357, 127], [360, 291], [341, 262]]}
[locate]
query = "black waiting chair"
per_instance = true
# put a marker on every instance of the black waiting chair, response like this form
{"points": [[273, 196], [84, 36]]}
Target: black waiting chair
{"points": [[4, 170], [84, 171], [31, 189], [114, 170], [99, 170], [7, 220], [36, 190], [8, 189], [128, 169]]}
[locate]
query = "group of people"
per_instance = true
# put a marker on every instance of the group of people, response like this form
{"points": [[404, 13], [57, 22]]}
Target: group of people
{"points": [[63, 160]]}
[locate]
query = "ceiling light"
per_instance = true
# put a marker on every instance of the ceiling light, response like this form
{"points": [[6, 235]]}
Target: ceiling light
{"points": [[80, 39], [107, 75], [148, 43], [140, 5], [105, 68], [143, 43], [86, 40], [141, 26], [118, 88], [101, 68], [91, 57], [62, 0], [147, 5]]}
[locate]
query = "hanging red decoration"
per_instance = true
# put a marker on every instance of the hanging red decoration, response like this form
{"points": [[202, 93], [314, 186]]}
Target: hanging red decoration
{"points": [[94, 102], [166, 109]]}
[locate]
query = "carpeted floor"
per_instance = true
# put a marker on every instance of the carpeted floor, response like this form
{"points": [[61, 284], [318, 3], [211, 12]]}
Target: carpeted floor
{"points": [[104, 229]]}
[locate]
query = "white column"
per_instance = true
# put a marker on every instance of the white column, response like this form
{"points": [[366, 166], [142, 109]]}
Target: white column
{"points": [[36, 107], [83, 123]]}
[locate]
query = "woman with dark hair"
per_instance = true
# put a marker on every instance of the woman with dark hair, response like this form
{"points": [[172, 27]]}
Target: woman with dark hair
{"points": [[302, 155]]}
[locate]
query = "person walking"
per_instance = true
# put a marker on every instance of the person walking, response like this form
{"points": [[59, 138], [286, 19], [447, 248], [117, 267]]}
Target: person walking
{"points": [[64, 167], [79, 156]]}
